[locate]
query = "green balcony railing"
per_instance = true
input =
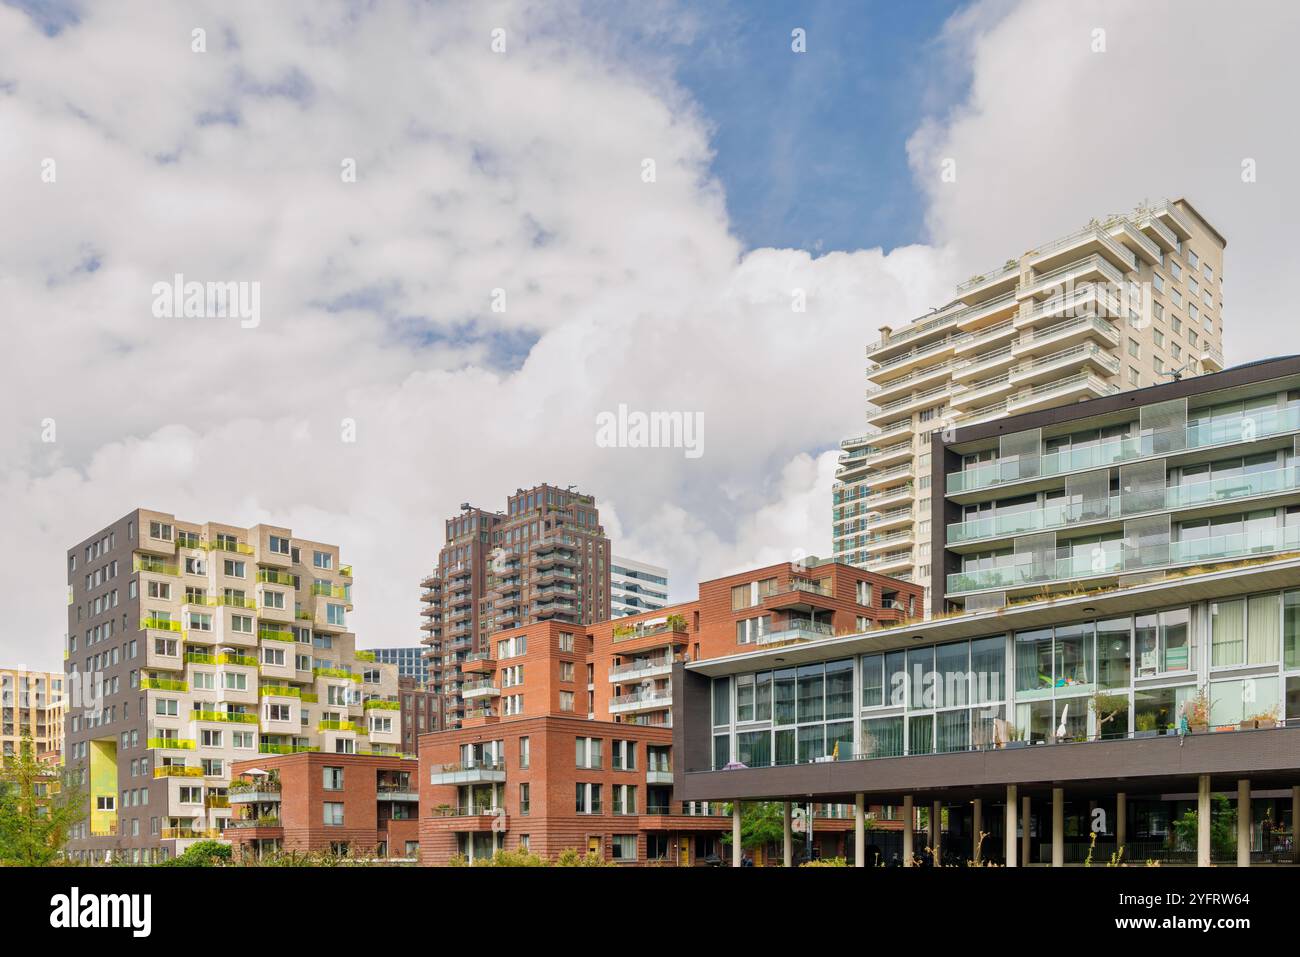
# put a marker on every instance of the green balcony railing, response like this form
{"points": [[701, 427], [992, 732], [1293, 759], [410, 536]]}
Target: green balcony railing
{"points": [[275, 634], [178, 771], [342, 592], [335, 673], [381, 704], [159, 624], [173, 744], [365, 656], [233, 717], [163, 684], [286, 748], [283, 691], [156, 566], [270, 576], [199, 658], [339, 726], [245, 661]]}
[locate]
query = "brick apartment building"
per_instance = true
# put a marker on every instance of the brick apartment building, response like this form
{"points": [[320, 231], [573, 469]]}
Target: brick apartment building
{"points": [[545, 558], [354, 804], [566, 740]]}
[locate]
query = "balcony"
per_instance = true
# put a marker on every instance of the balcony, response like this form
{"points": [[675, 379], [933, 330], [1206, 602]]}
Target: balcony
{"points": [[153, 566], [898, 475], [659, 776], [469, 817], [892, 562], [163, 684], [654, 699], [350, 726], [1211, 359], [261, 792], [265, 748], [983, 286], [977, 394], [983, 365], [480, 689], [1093, 239], [1226, 431], [154, 623], [891, 410], [481, 771], [1073, 388], [1089, 269], [1213, 492], [640, 668], [1185, 552], [804, 631], [178, 771], [397, 792], [229, 717], [1063, 335], [1087, 300], [1083, 357], [170, 744]]}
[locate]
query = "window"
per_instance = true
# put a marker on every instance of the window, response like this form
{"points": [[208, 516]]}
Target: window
{"points": [[335, 614], [234, 569], [623, 847], [588, 753], [279, 545], [525, 752], [587, 798], [322, 560], [160, 531], [864, 593], [333, 779], [566, 700], [334, 813]]}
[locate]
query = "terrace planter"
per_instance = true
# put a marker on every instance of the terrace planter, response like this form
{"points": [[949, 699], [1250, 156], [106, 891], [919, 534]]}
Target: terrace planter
{"points": [[1016, 744], [1145, 734]]}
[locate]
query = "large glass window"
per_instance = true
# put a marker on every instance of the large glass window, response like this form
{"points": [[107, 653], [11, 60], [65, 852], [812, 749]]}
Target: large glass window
{"points": [[1114, 656], [920, 734], [952, 663], [744, 698], [873, 681], [883, 737], [920, 665], [1243, 699], [1034, 660], [783, 696], [812, 681], [763, 697], [839, 689], [988, 663], [721, 702], [953, 730], [1291, 630], [754, 748]]}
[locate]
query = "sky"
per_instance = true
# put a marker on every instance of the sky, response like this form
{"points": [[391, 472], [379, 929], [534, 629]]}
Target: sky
{"points": [[618, 206]]}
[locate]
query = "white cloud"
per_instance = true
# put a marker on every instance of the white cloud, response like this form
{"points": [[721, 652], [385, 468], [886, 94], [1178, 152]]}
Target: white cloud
{"points": [[522, 172]]}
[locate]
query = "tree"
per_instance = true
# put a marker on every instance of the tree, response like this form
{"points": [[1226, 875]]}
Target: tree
{"points": [[761, 823], [38, 809], [201, 854], [1223, 828]]}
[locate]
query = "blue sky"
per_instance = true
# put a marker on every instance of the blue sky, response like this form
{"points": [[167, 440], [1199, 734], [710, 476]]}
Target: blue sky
{"points": [[811, 148]]}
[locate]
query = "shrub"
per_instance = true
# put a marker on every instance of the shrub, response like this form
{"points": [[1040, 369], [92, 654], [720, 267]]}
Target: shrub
{"points": [[201, 854], [826, 862]]}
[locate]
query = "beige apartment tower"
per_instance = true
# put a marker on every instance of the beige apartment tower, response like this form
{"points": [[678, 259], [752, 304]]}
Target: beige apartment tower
{"points": [[193, 645], [1128, 301], [31, 706]]}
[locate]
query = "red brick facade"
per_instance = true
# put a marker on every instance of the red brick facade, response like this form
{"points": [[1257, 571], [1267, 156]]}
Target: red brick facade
{"points": [[377, 794]]}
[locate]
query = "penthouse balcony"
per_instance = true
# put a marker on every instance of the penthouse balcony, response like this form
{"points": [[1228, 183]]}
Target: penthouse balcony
{"points": [[397, 792], [1074, 388], [261, 791], [479, 771], [1162, 235], [1093, 240]]}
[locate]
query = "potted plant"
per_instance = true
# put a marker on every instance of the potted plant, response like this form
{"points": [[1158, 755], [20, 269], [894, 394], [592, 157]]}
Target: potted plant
{"points": [[1264, 719], [1197, 711], [1015, 736], [1145, 725], [1107, 707]]}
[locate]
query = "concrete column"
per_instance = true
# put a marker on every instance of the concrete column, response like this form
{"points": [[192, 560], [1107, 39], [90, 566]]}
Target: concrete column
{"points": [[735, 833], [1025, 809], [932, 833], [1058, 827], [787, 844], [1203, 821], [860, 831], [977, 825], [1011, 825], [1121, 820], [1295, 822], [909, 823], [1243, 822]]}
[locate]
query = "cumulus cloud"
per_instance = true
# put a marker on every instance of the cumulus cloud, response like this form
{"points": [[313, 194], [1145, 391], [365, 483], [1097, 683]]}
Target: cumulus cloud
{"points": [[520, 172]]}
